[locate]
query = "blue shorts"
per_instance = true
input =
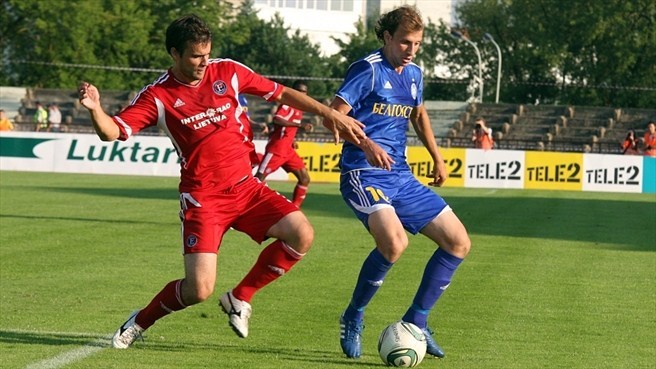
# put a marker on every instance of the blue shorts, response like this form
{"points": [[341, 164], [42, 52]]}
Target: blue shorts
{"points": [[366, 191]]}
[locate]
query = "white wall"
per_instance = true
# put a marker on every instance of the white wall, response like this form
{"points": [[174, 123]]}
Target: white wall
{"points": [[320, 25]]}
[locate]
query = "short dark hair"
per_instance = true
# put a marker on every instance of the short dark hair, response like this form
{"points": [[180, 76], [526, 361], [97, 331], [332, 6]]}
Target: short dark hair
{"points": [[298, 83], [189, 29], [406, 16]]}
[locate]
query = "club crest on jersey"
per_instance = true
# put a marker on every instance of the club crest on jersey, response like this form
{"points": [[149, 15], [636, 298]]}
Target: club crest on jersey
{"points": [[219, 87], [191, 241], [413, 90]]}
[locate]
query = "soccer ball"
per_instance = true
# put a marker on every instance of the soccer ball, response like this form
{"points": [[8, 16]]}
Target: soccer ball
{"points": [[402, 344]]}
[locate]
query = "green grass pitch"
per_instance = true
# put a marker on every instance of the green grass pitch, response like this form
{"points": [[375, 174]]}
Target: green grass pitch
{"points": [[555, 279]]}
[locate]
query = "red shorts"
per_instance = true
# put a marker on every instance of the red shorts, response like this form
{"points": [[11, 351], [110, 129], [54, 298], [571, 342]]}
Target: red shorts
{"points": [[272, 161], [249, 206]]}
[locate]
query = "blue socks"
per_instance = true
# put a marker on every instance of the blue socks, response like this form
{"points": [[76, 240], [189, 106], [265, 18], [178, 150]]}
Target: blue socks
{"points": [[373, 271], [436, 279]]}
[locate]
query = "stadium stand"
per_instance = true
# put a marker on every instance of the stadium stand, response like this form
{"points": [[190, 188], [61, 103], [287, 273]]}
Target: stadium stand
{"points": [[515, 127], [552, 127]]}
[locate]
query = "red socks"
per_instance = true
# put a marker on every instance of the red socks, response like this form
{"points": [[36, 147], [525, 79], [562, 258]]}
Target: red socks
{"points": [[165, 302], [299, 194], [274, 261]]}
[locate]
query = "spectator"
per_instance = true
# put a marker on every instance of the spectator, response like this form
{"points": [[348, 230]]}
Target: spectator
{"points": [[40, 117], [630, 144], [482, 135], [650, 139], [5, 124], [281, 148], [54, 118]]}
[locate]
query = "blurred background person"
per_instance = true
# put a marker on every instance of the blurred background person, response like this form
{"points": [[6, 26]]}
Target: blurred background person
{"points": [[482, 135], [650, 139], [5, 124], [40, 117], [281, 148], [54, 118], [630, 144]]}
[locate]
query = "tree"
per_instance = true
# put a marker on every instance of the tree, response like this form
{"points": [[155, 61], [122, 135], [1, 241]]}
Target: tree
{"points": [[447, 69], [57, 44], [577, 52], [357, 45]]}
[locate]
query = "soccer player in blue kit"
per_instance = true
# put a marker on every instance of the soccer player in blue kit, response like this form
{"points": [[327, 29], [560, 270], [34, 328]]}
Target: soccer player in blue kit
{"points": [[384, 91]]}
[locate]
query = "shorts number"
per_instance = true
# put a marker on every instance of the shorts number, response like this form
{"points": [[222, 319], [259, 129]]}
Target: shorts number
{"points": [[376, 194]]}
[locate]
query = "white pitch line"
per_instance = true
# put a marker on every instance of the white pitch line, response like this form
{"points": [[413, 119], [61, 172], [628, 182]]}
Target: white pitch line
{"points": [[70, 356]]}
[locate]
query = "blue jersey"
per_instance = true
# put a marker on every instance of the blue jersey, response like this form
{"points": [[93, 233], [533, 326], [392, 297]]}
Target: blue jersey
{"points": [[382, 99]]}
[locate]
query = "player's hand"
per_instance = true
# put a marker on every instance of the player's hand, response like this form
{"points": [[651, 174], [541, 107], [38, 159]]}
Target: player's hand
{"points": [[343, 125], [439, 174], [88, 95], [376, 156]]}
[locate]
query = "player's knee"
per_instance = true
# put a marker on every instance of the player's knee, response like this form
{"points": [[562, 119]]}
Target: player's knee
{"points": [[393, 251], [305, 238], [303, 177], [197, 293], [460, 246]]}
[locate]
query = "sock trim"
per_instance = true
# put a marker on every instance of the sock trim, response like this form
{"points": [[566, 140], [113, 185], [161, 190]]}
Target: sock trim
{"points": [[293, 253]]}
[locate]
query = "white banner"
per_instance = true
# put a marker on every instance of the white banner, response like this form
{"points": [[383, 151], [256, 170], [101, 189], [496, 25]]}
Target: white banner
{"points": [[494, 168], [612, 173], [85, 153]]}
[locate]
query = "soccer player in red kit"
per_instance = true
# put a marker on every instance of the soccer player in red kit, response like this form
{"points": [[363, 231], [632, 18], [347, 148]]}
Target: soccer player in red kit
{"points": [[195, 103], [280, 151]]}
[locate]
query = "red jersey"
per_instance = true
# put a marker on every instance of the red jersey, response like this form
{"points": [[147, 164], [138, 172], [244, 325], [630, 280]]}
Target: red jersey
{"points": [[282, 137], [204, 122]]}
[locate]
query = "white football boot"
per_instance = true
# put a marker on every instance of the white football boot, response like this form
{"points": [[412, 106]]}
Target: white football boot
{"points": [[127, 333], [238, 313]]}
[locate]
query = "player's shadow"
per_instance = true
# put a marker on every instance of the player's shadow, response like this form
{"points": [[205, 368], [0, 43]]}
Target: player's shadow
{"points": [[152, 193], [314, 358], [626, 224], [53, 338], [575, 219]]}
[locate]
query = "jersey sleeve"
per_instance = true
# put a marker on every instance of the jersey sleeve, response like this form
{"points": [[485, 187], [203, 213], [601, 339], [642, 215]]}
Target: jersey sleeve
{"points": [[248, 81], [358, 83], [140, 114]]}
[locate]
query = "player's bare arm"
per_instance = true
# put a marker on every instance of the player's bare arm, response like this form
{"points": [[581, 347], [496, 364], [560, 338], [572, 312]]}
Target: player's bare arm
{"points": [[339, 124], [376, 156], [103, 124], [421, 123]]}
